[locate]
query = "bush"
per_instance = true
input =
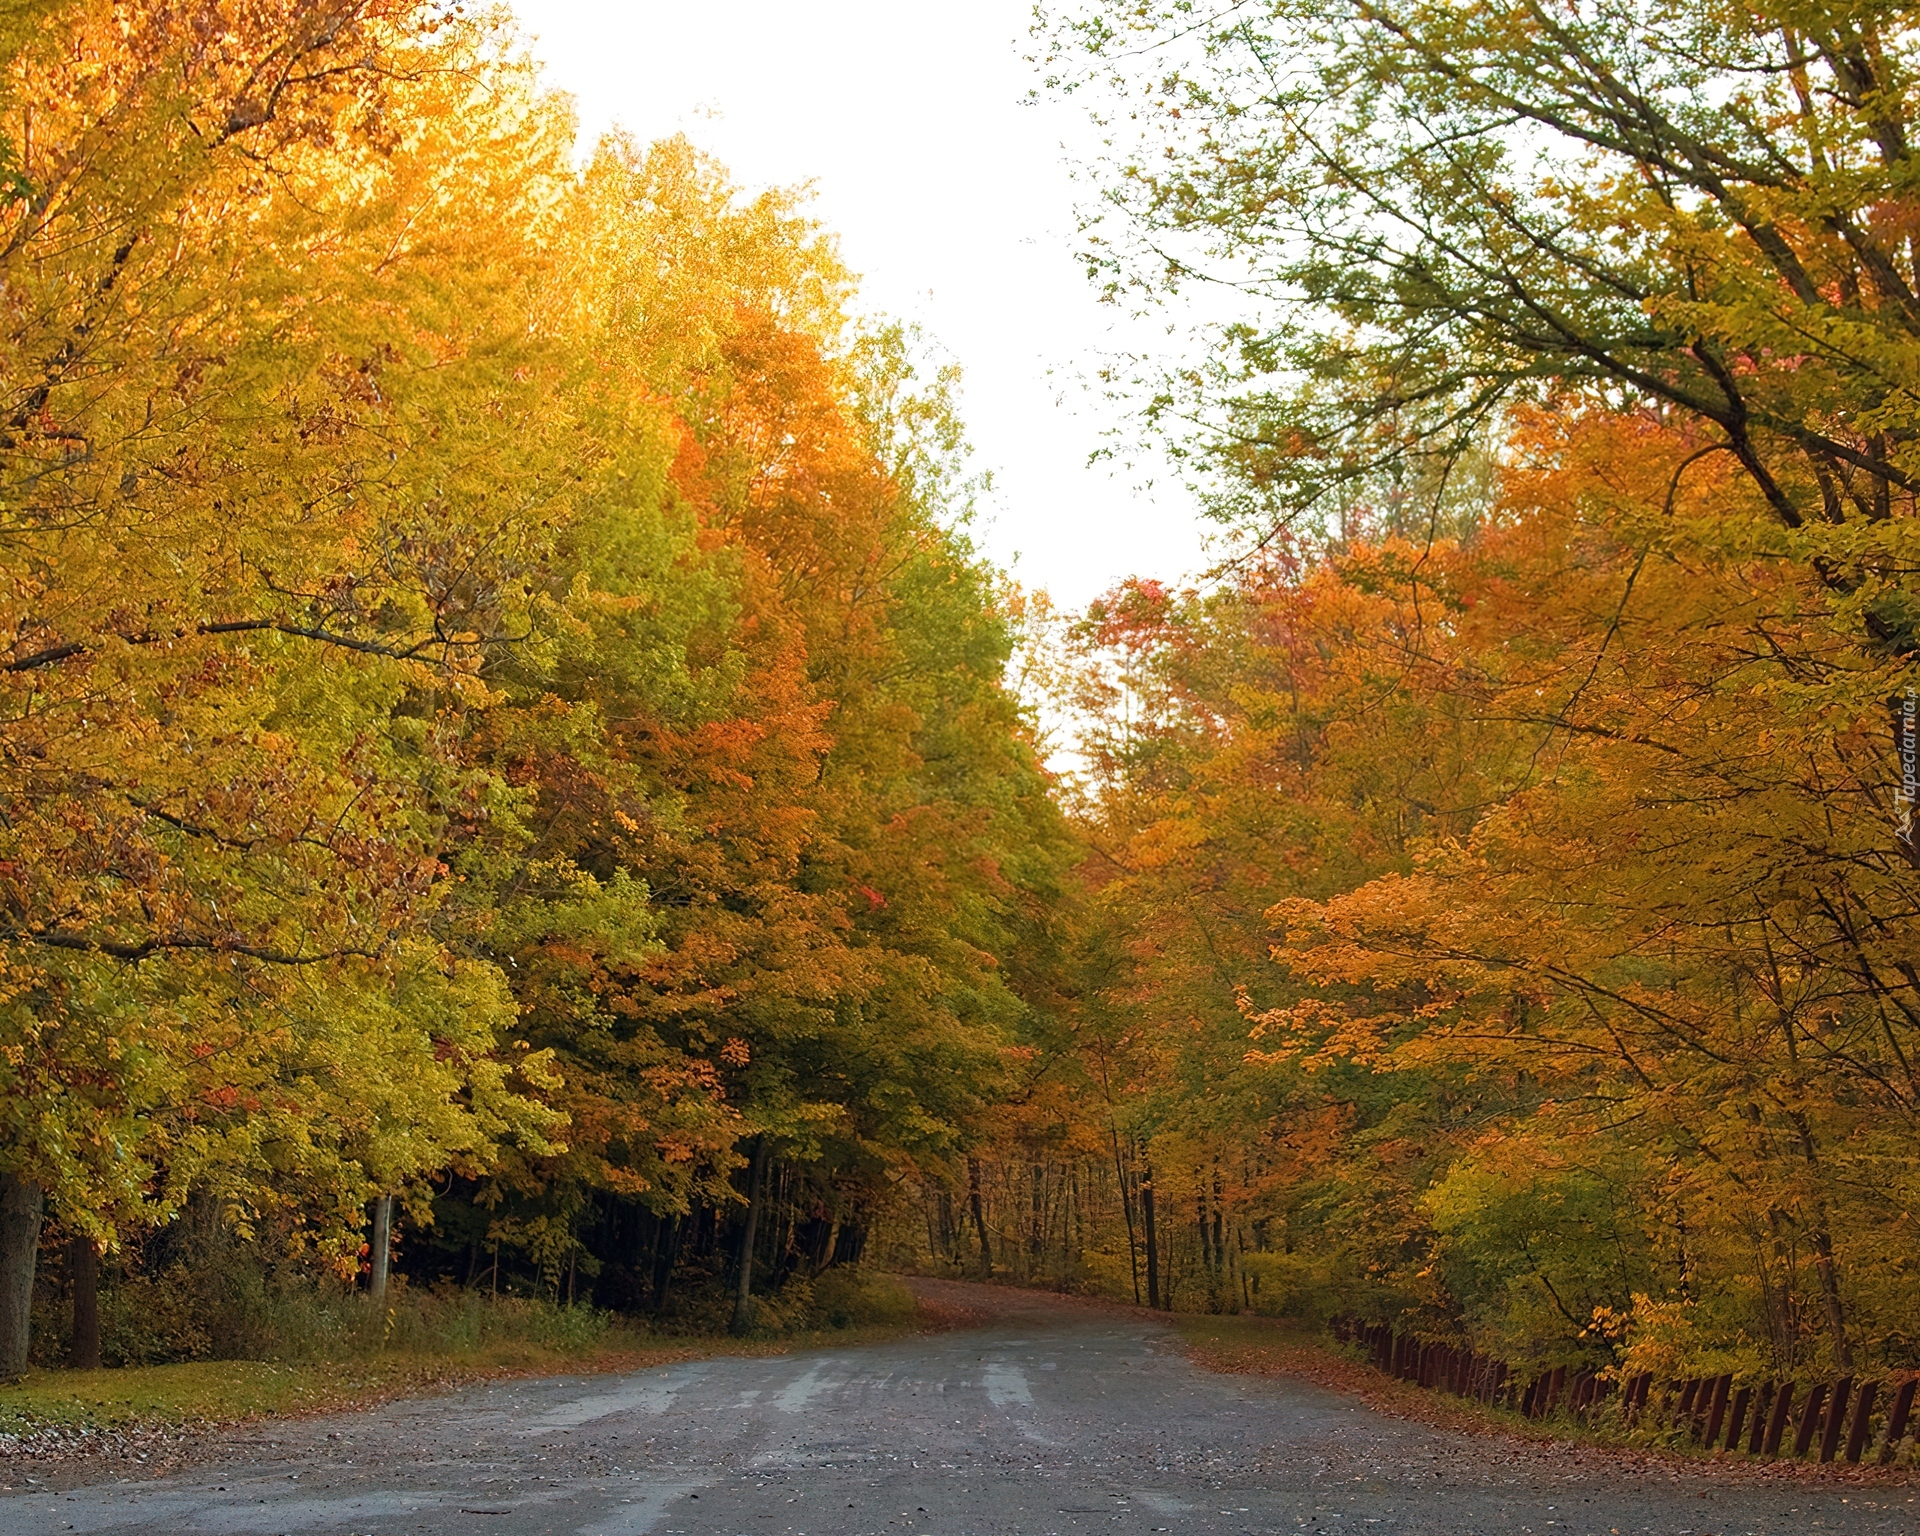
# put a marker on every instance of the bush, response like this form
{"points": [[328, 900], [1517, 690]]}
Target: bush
{"points": [[841, 1297], [846, 1298], [240, 1312], [233, 1307], [321, 1322], [1294, 1285], [153, 1320]]}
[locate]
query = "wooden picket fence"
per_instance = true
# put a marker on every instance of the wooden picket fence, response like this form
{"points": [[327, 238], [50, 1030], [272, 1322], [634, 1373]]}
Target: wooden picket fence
{"points": [[1837, 1420]]}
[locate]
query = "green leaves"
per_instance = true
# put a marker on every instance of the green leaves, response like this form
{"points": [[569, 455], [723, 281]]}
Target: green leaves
{"points": [[1429, 215]]}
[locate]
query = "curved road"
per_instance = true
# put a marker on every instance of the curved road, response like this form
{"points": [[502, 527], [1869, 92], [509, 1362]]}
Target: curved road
{"points": [[1053, 1421]]}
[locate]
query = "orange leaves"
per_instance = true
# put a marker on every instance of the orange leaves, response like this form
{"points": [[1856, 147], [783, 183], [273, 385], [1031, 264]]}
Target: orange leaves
{"points": [[1560, 856], [1316, 1034], [767, 639]]}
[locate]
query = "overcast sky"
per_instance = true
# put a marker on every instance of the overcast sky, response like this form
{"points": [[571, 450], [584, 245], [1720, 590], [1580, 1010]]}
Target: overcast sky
{"points": [[951, 198]]}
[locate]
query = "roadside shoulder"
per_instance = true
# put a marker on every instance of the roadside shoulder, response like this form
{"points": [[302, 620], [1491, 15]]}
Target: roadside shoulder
{"points": [[1272, 1347]]}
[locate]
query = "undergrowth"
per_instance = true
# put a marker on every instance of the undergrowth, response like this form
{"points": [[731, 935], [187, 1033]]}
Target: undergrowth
{"points": [[310, 1348]]}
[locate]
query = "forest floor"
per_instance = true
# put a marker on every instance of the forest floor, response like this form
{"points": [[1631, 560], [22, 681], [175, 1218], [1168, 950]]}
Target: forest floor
{"points": [[1048, 1417]]}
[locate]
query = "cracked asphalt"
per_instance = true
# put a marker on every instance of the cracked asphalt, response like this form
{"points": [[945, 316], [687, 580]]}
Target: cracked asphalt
{"points": [[1051, 1421]]}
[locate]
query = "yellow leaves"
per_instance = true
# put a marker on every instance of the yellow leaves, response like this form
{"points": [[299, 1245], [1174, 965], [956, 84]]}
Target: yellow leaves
{"points": [[1665, 1338], [540, 1069]]}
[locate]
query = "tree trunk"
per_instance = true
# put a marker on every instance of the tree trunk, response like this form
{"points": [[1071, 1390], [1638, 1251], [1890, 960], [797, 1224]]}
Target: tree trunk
{"points": [[1830, 1294], [1126, 1207], [379, 1242], [1073, 1235], [20, 1204], [83, 1277], [979, 1215], [743, 1294], [1153, 1240], [666, 1253], [1823, 1249], [1037, 1227], [850, 1241], [1220, 1258]]}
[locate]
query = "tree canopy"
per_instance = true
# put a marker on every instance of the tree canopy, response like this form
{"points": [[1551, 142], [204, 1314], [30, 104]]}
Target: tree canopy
{"points": [[501, 711], [1500, 874], [503, 722]]}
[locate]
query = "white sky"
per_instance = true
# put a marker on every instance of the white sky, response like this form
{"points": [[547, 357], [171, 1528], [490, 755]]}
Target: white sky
{"points": [[951, 198]]}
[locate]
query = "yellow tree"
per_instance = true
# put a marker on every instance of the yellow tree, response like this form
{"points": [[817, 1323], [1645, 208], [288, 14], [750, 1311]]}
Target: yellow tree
{"points": [[280, 459]]}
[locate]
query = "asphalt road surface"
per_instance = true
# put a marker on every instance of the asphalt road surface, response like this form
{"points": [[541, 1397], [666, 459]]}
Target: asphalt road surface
{"points": [[1053, 1421]]}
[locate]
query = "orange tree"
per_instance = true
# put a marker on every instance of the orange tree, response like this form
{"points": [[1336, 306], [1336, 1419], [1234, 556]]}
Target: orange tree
{"points": [[783, 830]]}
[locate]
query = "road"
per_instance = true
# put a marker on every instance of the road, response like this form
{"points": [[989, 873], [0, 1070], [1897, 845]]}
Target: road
{"points": [[1052, 1421]]}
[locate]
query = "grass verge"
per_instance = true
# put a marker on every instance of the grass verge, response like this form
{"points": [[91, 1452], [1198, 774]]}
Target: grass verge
{"points": [[202, 1392], [50, 1411]]}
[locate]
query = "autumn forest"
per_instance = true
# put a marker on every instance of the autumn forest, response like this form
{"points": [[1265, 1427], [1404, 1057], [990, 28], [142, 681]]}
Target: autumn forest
{"points": [[517, 782]]}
